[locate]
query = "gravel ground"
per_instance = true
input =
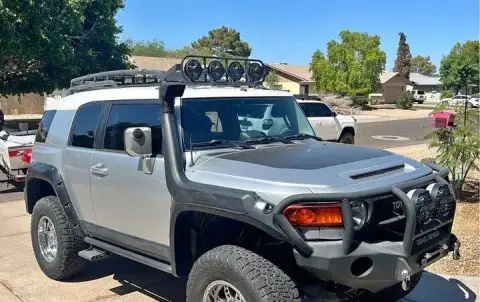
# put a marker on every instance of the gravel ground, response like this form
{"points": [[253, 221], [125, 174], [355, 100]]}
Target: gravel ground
{"points": [[466, 225]]}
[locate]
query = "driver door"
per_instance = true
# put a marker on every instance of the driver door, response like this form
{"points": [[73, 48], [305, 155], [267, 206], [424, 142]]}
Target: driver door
{"points": [[131, 208]]}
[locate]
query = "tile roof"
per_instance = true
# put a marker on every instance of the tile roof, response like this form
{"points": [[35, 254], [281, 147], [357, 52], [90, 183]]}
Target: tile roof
{"points": [[301, 72], [420, 79]]}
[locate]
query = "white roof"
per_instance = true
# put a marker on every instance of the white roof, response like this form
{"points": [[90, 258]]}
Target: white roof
{"points": [[420, 79], [72, 102]]}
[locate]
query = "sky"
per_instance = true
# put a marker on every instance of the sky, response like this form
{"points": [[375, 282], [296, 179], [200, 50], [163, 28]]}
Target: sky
{"points": [[290, 31]]}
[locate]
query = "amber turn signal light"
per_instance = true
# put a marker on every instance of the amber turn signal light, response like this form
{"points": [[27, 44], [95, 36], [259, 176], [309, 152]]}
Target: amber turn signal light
{"points": [[329, 215]]}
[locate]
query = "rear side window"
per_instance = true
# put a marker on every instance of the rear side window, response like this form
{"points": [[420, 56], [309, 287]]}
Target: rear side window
{"points": [[44, 126], [420, 92], [123, 116], [84, 125]]}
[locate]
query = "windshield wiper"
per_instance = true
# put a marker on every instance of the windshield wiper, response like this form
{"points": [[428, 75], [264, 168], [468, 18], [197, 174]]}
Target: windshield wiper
{"points": [[219, 142], [302, 136], [268, 139]]}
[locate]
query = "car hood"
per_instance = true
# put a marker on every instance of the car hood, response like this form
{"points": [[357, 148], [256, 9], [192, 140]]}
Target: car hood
{"points": [[316, 167]]}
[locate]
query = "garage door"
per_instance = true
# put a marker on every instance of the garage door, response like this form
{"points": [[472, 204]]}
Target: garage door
{"points": [[391, 92]]}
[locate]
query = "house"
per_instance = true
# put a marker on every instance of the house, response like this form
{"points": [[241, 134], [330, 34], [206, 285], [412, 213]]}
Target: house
{"points": [[392, 85], [297, 79], [425, 83]]}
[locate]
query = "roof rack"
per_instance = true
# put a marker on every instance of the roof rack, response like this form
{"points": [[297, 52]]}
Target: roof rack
{"points": [[114, 79], [307, 97], [246, 73]]}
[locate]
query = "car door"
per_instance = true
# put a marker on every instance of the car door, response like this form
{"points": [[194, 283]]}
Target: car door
{"points": [[132, 208], [77, 159], [322, 120]]}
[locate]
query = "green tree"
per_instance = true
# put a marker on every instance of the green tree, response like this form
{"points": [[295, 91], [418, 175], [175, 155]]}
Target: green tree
{"points": [[156, 48], [222, 41], [461, 66], [352, 66], [43, 44], [272, 79], [423, 65], [402, 63]]}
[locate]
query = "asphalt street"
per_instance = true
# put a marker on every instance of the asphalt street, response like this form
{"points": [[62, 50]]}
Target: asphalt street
{"points": [[395, 133]]}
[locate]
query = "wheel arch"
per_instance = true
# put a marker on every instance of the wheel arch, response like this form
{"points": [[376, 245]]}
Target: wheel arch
{"points": [[186, 238], [346, 129], [44, 180]]}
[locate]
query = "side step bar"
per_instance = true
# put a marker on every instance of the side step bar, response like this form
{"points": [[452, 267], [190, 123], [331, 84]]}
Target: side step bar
{"points": [[129, 254], [93, 254]]}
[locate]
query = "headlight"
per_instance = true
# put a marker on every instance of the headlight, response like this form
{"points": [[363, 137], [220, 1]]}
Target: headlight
{"points": [[424, 205], [442, 198], [359, 214]]}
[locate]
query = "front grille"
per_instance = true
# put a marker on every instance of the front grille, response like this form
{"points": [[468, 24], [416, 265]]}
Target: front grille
{"points": [[377, 172]]}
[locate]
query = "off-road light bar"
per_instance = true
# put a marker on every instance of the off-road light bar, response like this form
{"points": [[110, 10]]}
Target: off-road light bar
{"points": [[424, 205], [223, 70], [442, 197]]}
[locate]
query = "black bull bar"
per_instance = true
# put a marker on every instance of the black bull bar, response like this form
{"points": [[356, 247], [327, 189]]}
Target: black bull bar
{"points": [[397, 190]]}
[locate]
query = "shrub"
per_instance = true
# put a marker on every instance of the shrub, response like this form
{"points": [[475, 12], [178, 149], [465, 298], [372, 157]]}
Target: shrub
{"points": [[404, 100], [360, 101], [446, 94], [458, 148]]}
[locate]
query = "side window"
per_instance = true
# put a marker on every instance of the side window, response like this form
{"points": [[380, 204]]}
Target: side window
{"points": [[84, 125], [44, 126], [320, 110], [305, 109], [123, 116]]}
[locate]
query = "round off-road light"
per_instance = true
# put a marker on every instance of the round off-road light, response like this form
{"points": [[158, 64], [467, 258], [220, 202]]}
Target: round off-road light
{"points": [[235, 71], [256, 72], [442, 198], [216, 70], [193, 70], [359, 214], [424, 205]]}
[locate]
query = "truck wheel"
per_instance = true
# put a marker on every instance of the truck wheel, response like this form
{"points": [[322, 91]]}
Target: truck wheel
{"points": [[232, 273], [54, 242], [393, 293], [469, 105], [347, 138]]}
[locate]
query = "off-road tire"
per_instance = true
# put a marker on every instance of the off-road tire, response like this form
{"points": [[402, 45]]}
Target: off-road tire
{"points": [[67, 262], [420, 102], [255, 277], [347, 137], [393, 293]]}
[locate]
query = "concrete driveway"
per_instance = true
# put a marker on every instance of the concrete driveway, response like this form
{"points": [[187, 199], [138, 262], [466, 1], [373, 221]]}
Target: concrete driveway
{"points": [[118, 279]]}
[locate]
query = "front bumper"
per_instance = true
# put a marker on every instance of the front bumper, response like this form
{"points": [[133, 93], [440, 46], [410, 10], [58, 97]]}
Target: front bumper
{"points": [[373, 267]]}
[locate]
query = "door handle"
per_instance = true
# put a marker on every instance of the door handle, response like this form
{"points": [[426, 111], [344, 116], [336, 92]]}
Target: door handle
{"points": [[99, 169]]}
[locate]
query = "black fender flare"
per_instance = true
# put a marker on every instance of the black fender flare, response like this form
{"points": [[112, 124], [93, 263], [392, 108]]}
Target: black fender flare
{"points": [[51, 175]]}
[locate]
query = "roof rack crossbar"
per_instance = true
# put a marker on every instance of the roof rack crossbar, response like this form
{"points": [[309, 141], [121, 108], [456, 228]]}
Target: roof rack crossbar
{"points": [[120, 76]]}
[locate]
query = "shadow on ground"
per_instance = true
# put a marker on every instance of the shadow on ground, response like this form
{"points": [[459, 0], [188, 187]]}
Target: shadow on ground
{"points": [[135, 277], [436, 288], [159, 286]]}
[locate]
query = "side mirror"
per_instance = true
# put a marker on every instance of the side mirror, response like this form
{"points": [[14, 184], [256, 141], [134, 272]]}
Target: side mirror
{"points": [[138, 143], [334, 114]]}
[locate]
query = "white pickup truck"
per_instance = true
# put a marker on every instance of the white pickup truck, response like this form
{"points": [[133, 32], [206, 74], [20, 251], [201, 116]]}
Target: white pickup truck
{"points": [[17, 135]]}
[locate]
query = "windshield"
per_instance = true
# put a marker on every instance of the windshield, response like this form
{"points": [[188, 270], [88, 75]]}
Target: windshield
{"points": [[241, 119]]}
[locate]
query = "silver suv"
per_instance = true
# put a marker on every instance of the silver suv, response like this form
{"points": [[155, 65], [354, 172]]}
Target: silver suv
{"points": [[155, 167]]}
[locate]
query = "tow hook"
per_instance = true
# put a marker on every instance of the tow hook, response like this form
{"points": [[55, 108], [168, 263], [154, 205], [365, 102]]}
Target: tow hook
{"points": [[405, 280], [456, 251]]}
